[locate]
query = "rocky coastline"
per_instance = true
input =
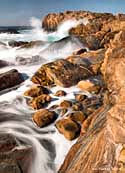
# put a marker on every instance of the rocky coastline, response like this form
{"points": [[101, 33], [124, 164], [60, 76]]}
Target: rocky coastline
{"points": [[96, 120]]}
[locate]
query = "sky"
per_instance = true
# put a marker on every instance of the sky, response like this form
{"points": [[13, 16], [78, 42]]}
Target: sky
{"points": [[19, 12]]}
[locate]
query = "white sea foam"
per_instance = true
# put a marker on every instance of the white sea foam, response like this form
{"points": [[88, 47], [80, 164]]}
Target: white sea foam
{"points": [[62, 30]]}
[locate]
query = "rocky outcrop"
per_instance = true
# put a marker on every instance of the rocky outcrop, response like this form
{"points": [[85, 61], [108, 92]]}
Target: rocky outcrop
{"points": [[96, 38], [60, 72], [10, 79], [91, 60], [52, 20], [113, 67], [101, 146], [96, 34]]}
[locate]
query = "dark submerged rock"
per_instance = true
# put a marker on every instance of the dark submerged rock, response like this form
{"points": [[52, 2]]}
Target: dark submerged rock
{"points": [[14, 43], [60, 93]]}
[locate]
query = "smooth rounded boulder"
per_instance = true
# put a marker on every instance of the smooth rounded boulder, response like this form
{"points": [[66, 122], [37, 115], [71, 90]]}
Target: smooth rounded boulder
{"points": [[68, 128], [44, 117]]}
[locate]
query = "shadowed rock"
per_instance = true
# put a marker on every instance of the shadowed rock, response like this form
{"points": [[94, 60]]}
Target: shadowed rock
{"points": [[14, 43], [13, 158], [10, 79], [4, 63]]}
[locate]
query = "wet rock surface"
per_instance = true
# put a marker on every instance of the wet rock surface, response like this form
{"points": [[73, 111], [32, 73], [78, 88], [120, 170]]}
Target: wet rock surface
{"points": [[13, 158], [40, 101], [51, 21], [36, 91], [32, 44], [68, 128], [33, 60], [66, 104], [60, 72], [44, 117], [103, 131], [60, 93], [88, 86], [10, 79], [78, 116], [16, 43], [90, 59]]}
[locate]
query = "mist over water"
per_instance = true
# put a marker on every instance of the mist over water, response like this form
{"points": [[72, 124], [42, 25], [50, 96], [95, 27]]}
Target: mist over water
{"points": [[49, 147]]}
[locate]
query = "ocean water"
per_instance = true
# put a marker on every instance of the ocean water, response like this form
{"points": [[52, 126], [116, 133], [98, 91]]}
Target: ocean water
{"points": [[49, 146]]}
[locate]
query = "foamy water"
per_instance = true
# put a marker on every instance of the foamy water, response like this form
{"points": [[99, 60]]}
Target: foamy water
{"points": [[47, 159]]}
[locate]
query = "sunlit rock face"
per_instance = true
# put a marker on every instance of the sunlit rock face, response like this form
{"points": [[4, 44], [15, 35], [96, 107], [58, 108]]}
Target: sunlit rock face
{"points": [[101, 148], [60, 72], [52, 20], [95, 33]]}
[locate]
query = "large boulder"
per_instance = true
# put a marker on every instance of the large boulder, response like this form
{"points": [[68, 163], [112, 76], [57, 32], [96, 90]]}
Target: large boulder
{"points": [[77, 116], [44, 117], [88, 86], [10, 79], [60, 72], [91, 59], [68, 128]]}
